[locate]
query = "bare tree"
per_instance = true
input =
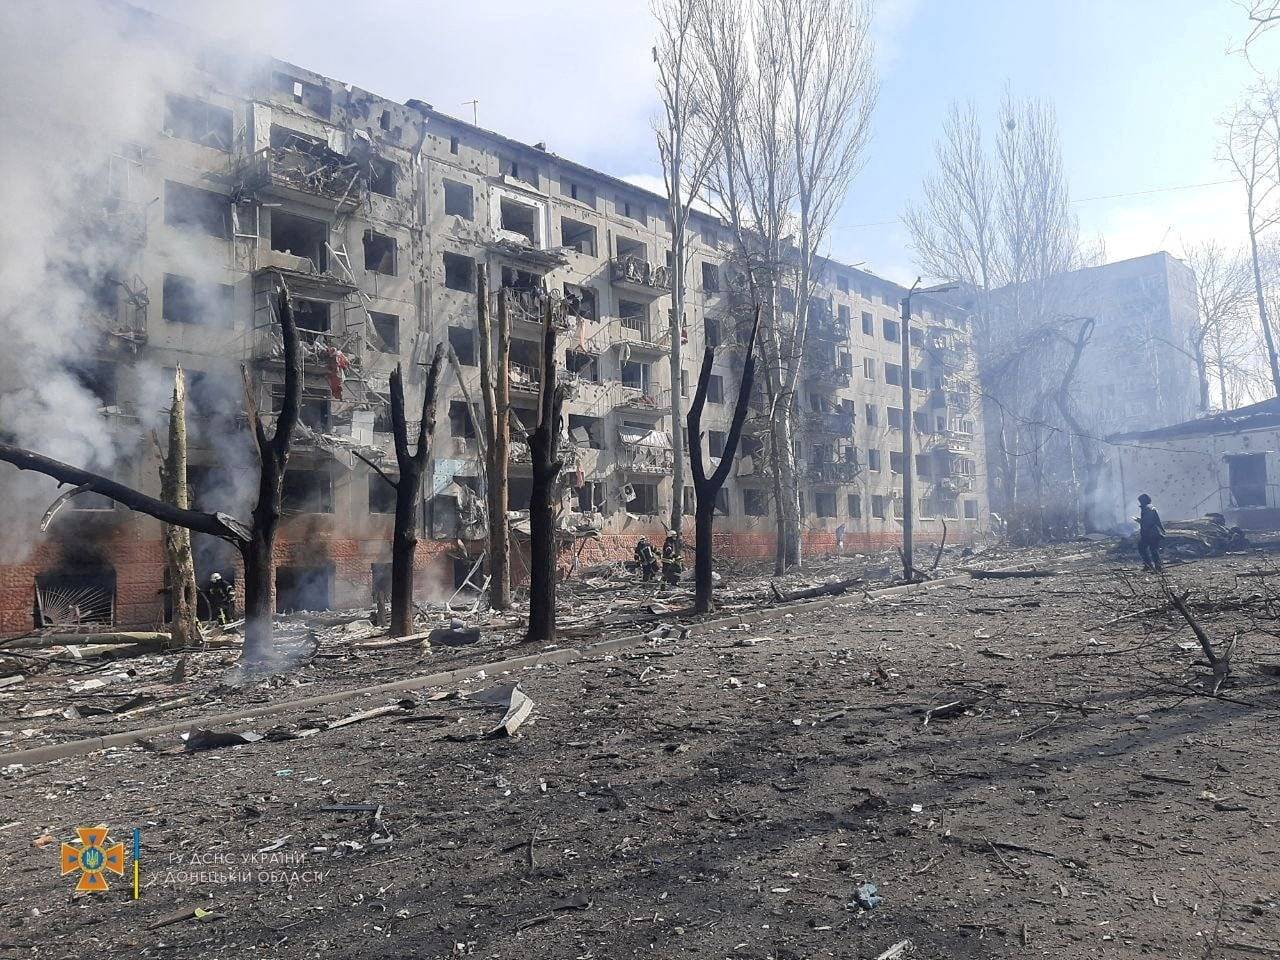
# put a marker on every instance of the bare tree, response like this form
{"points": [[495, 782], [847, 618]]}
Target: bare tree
{"points": [[185, 622], [707, 488], [688, 134], [1222, 340], [256, 541], [999, 219], [795, 89], [1251, 145], [1263, 15]]}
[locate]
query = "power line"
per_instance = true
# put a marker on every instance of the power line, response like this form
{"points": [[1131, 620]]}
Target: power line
{"points": [[1108, 196]]}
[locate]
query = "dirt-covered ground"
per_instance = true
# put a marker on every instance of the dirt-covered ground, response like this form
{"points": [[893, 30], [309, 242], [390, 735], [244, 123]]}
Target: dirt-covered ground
{"points": [[1073, 793]]}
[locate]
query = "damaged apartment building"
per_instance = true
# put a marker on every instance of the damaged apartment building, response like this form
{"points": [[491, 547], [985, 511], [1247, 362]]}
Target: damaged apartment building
{"points": [[378, 216]]}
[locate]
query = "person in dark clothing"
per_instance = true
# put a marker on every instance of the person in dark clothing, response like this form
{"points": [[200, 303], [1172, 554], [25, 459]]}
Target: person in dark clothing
{"points": [[672, 562], [1150, 533], [222, 599], [646, 559]]}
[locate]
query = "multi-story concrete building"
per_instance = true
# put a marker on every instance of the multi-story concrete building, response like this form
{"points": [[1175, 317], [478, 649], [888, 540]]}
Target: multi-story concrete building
{"points": [[378, 215], [1139, 369]]}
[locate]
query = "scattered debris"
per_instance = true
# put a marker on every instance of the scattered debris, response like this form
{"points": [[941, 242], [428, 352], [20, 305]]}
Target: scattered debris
{"points": [[197, 740]]}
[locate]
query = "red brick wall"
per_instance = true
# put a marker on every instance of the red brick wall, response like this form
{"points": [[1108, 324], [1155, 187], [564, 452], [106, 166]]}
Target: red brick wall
{"points": [[139, 564]]}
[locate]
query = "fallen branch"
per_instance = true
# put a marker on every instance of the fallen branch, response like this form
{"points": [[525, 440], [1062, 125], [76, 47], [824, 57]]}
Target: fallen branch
{"points": [[41, 641], [1220, 665], [834, 588]]}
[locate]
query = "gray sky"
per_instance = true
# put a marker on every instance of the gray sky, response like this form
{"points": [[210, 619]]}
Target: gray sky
{"points": [[1138, 86]]}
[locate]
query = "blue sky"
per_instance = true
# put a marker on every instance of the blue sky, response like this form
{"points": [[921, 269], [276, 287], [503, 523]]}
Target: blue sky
{"points": [[1138, 86]]}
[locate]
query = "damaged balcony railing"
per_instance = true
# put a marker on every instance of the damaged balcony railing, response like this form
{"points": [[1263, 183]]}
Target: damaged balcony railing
{"points": [[119, 221], [955, 483], [635, 396], [837, 423], [637, 458], [824, 325], [947, 349], [954, 441], [312, 169], [638, 273], [833, 471], [638, 335], [523, 377], [528, 305], [824, 365]]}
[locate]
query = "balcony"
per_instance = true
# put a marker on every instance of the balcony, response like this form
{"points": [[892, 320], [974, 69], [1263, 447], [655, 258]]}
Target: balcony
{"points": [[304, 171], [955, 484], [528, 306], [824, 326], [827, 367], [648, 460], [635, 398], [948, 350], [836, 423], [523, 378], [639, 336], [638, 275], [954, 441], [833, 471]]}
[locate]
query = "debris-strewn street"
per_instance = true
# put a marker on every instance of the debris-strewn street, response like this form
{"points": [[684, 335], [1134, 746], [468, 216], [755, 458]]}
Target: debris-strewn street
{"points": [[983, 768]]}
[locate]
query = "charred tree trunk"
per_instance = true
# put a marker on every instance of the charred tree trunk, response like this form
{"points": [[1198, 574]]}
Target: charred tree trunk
{"points": [[408, 487], [495, 388], [273, 456], [706, 488], [543, 444], [185, 624]]}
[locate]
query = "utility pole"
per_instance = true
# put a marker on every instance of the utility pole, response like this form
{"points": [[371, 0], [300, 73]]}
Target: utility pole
{"points": [[908, 456]]}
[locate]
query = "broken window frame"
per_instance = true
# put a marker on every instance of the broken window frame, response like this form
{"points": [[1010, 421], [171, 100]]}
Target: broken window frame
{"points": [[579, 235], [381, 253], [755, 502], [386, 329], [200, 122], [299, 497], [184, 300], [454, 262], [286, 226], [459, 199], [194, 209]]}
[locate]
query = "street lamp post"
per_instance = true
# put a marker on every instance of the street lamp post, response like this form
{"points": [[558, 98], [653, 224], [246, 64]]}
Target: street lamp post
{"points": [[908, 458]]}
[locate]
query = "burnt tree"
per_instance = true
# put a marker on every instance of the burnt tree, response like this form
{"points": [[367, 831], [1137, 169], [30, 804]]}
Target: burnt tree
{"points": [[707, 487], [543, 447], [273, 458], [256, 541], [495, 409], [408, 488]]}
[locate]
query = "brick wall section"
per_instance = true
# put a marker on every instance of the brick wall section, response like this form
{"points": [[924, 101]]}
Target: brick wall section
{"points": [[139, 566]]}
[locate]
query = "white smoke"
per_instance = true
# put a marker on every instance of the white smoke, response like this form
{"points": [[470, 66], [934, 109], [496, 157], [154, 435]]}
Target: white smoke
{"points": [[82, 85]]}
